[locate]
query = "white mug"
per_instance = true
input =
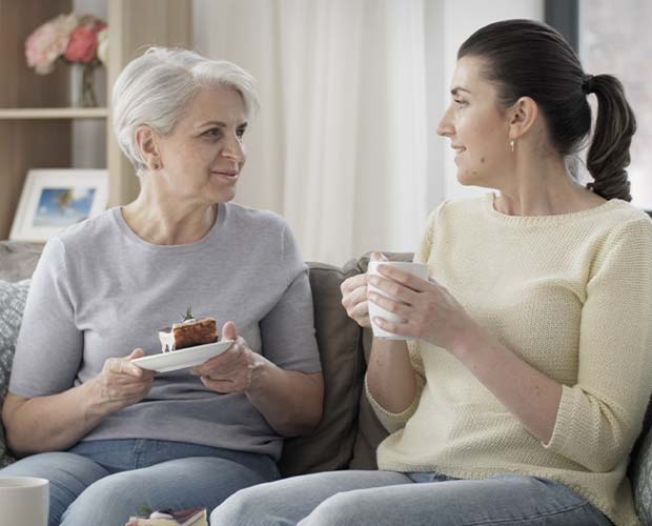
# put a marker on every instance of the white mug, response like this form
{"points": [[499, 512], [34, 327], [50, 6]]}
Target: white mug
{"points": [[24, 501], [420, 270]]}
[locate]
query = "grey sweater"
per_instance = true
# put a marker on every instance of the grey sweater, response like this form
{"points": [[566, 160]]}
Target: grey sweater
{"points": [[100, 291]]}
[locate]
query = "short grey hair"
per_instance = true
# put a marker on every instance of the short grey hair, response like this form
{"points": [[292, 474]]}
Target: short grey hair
{"points": [[154, 88]]}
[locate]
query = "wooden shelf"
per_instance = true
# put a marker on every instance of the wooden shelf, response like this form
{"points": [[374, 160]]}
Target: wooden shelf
{"points": [[53, 113], [36, 127]]}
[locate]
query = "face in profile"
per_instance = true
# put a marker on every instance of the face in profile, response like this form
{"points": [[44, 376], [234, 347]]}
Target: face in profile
{"points": [[203, 155], [476, 125]]}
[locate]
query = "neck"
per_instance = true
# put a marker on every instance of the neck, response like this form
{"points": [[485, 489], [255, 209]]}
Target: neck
{"points": [[543, 188], [162, 220]]}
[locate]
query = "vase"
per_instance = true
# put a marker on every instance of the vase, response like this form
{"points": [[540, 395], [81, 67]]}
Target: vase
{"points": [[83, 86]]}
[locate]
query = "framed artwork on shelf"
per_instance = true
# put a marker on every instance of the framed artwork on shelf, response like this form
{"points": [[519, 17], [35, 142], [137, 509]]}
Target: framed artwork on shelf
{"points": [[53, 199]]}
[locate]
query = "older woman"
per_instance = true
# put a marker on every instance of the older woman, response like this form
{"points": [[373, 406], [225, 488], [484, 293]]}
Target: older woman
{"points": [[111, 437], [525, 389]]}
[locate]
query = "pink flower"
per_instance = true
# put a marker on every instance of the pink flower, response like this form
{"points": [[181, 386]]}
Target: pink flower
{"points": [[45, 45], [83, 42]]}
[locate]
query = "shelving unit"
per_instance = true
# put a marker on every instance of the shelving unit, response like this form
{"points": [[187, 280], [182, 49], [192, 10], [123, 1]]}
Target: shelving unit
{"points": [[53, 113], [35, 122]]}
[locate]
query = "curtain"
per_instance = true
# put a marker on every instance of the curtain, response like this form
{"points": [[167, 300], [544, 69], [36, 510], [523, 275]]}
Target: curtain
{"points": [[339, 146]]}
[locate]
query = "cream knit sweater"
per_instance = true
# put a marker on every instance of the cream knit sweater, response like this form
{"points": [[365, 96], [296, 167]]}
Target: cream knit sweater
{"points": [[572, 295]]}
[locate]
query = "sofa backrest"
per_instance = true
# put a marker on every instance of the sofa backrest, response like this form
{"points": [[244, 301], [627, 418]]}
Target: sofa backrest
{"points": [[339, 339]]}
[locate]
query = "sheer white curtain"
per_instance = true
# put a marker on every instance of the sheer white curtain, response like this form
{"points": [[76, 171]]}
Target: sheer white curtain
{"points": [[339, 147]]}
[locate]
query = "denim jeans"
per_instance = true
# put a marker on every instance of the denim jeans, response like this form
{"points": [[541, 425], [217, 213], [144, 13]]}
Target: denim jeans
{"points": [[383, 498], [104, 482]]}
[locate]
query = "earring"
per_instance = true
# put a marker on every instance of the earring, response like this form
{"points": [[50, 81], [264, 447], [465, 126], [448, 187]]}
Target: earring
{"points": [[511, 145]]}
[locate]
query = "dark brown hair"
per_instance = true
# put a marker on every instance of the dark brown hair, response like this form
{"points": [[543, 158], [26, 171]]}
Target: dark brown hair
{"points": [[530, 59]]}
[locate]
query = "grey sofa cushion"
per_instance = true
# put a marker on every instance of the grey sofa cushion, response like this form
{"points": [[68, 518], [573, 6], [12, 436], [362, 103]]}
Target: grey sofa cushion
{"points": [[12, 304], [641, 475], [18, 259], [370, 430], [338, 337]]}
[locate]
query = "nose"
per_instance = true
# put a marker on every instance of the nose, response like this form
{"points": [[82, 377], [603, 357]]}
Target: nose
{"points": [[234, 150], [445, 127]]}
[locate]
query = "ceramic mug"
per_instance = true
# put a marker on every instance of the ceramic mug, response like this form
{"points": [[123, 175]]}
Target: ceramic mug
{"points": [[420, 270], [24, 501]]}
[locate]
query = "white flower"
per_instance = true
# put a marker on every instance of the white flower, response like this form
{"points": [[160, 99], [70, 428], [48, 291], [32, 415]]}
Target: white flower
{"points": [[103, 45]]}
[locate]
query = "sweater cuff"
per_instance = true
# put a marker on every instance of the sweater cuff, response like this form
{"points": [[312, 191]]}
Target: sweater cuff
{"points": [[563, 422], [393, 421]]}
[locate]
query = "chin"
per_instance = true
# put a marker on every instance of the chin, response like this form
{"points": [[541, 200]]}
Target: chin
{"points": [[467, 177]]}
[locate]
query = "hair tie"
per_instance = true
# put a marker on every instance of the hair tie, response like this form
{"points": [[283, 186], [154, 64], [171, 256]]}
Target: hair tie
{"points": [[587, 84]]}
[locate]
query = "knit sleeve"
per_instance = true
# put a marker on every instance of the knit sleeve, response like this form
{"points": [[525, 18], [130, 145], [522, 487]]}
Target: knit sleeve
{"points": [[394, 421], [600, 416]]}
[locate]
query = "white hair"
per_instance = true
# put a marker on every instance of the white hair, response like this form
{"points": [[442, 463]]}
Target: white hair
{"points": [[154, 88]]}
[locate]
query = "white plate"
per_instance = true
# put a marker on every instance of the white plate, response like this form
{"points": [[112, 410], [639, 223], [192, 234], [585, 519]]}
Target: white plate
{"points": [[189, 357]]}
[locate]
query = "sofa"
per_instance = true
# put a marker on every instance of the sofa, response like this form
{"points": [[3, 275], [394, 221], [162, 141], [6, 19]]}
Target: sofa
{"points": [[349, 431]]}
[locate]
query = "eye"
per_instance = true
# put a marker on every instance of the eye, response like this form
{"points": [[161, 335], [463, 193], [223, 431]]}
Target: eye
{"points": [[241, 131], [213, 133], [460, 102]]}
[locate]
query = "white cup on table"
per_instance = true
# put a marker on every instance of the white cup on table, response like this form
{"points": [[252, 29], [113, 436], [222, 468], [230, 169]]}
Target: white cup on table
{"points": [[420, 270], [24, 501]]}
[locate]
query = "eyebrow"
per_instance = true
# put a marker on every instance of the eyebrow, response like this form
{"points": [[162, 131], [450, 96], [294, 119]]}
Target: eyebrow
{"points": [[455, 91], [220, 124]]}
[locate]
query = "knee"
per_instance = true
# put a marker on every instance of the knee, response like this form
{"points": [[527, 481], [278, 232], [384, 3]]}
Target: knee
{"points": [[342, 509], [107, 501], [244, 508]]}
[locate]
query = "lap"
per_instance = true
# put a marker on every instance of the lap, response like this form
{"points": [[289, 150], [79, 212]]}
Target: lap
{"points": [[177, 484], [291, 499], [509, 499], [379, 498], [111, 480]]}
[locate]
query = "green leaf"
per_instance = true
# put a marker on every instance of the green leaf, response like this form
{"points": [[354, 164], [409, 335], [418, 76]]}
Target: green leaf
{"points": [[188, 315], [145, 511]]}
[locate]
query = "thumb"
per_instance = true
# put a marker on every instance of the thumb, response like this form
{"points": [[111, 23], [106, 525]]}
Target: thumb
{"points": [[136, 353], [229, 331], [377, 256]]}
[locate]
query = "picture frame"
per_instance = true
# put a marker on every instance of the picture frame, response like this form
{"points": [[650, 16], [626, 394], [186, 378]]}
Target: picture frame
{"points": [[54, 199]]}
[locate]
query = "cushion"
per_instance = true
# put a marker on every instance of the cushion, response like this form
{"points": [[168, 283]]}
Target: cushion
{"points": [[12, 304], [640, 472], [370, 431], [18, 259], [330, 446]]}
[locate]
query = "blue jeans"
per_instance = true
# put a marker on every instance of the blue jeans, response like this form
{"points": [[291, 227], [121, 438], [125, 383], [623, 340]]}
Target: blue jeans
{"points": [[104, 482], [383, 498]]}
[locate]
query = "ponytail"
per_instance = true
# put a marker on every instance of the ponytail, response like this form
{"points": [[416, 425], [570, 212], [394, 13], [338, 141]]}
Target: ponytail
{"points": [[609, 152]]}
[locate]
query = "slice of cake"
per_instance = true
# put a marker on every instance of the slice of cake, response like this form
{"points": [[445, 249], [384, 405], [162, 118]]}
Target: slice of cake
{"points": [[188, 333], [189, 517]]}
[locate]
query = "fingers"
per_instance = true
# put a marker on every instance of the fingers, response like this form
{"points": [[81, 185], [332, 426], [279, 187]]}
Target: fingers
{"points": [[402, 310], [352, 298], [227, 363], [404, 278], [121, 366], [352, 283], [136, 353], [395, 289], [229, 331], [377, 256]]}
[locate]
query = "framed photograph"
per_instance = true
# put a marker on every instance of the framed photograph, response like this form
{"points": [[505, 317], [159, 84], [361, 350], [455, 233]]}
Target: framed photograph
{"points": [[54, 199]]}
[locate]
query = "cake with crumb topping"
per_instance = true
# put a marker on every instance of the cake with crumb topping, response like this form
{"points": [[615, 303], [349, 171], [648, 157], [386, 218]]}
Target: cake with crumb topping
{"points": [[188, 333]]}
